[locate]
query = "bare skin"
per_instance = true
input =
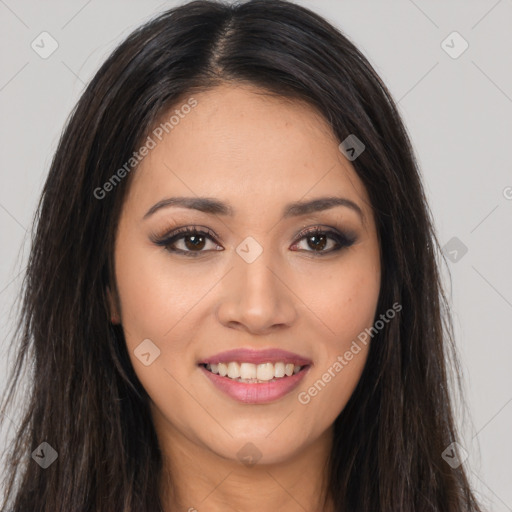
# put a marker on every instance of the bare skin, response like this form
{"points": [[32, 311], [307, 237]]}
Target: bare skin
{"points": [[256, 153]]}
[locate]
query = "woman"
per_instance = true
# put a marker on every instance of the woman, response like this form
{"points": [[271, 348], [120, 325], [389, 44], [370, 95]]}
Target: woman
{"points": [[233, 299]]}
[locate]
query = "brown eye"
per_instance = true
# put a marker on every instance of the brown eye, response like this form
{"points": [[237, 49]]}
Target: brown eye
{"points": [[187, 241], [193, 242], [317, 240]]}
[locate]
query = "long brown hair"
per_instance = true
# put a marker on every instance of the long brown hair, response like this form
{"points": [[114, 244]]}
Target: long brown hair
{"points": [[85, 400]]}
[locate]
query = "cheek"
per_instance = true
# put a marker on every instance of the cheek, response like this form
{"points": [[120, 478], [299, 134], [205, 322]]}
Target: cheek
{"points": [[155, 300], [343, 299], [160, 300], [155, 295], [355, 309]]}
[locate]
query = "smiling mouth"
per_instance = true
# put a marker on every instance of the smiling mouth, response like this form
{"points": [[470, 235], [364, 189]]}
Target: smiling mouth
{"points": [[250, 373]]}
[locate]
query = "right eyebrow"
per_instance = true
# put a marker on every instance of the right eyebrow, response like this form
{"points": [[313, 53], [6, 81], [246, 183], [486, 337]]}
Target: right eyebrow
{"points": [[203, 204]]}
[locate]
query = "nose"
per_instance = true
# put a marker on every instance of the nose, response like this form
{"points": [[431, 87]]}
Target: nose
{"points": [[257, 297]]}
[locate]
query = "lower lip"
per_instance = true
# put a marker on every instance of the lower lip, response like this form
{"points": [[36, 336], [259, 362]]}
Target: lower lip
{"points": [[256, 392]]}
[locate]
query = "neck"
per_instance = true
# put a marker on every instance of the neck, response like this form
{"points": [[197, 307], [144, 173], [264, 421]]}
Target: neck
{"points": [[197, 479]]}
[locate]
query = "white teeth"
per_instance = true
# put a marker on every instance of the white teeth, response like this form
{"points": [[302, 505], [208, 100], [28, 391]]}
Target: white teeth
{"points": [[233, 370], [265, 371], [248, 371], [223, 369], [254, 372], [279, 370]]}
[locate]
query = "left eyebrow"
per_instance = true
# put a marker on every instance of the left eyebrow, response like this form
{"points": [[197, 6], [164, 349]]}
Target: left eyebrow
{"points": [[316, 205], [295, 209]]}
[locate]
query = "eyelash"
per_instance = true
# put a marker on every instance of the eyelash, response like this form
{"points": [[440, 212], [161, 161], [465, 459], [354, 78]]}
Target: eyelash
{"points": [[166, 241]]}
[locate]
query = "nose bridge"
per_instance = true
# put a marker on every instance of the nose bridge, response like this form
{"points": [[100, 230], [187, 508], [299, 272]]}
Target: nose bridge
{"points": [[254, 294], [257, 276], [256, 279]]}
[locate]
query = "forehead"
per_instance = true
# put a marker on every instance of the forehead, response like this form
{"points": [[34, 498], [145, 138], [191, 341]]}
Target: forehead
{"points": [[242, 145]]}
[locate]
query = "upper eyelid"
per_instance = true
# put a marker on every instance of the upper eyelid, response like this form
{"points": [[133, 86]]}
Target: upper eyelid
{"points": [[338, 222], [183, 230], [180, 232]]}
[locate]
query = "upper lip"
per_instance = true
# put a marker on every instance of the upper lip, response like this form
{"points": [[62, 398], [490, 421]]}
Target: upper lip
{"points": [[246, 355]]}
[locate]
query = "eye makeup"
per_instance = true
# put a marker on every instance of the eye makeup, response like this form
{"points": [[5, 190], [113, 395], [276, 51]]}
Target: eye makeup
{"points": [[195, 237]]}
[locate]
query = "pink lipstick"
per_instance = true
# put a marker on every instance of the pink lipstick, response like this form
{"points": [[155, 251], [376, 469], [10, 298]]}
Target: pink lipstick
{"points": [[255, 376]]}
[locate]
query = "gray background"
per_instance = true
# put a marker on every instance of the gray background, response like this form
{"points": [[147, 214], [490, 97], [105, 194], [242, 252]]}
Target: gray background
{"points": [[458, 112]]}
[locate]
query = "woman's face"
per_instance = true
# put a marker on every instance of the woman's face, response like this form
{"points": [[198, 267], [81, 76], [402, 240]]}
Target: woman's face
{"points": [[256, 288]]}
